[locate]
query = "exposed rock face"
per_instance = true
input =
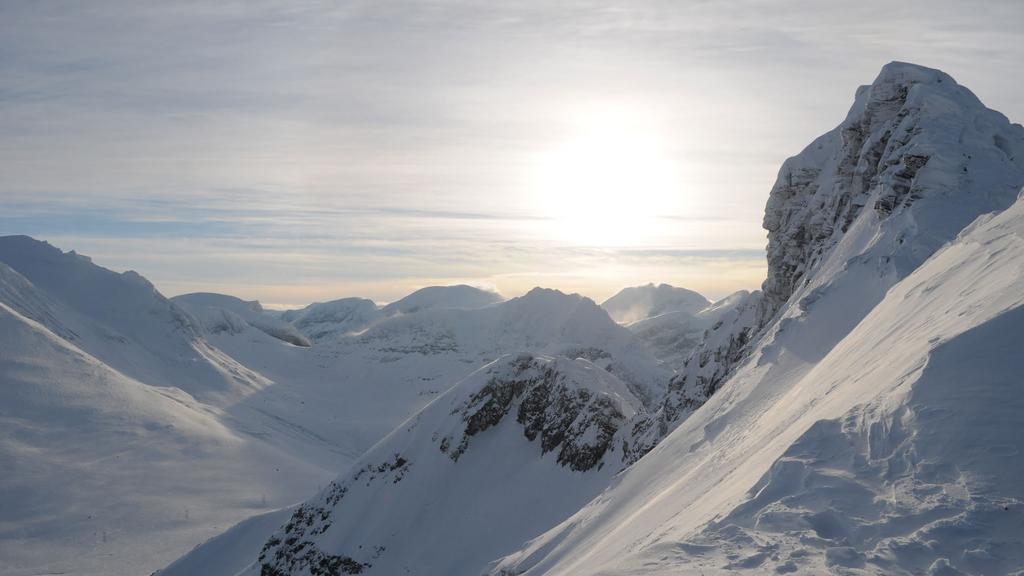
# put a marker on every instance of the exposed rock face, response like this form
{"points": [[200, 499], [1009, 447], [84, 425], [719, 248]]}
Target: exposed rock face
{"points": [[574, 421], [913, 134], [914, 145], [526, 424]]}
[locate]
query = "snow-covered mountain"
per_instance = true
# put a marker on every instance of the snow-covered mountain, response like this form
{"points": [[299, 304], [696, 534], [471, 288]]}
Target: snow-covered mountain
{"points": [[541, 321], [325, 321], [328, 321], [671, 321], [353, 389], [511, 450], [219, 313], [460, 296], [917, 158], [641, 302], [569, 340], [872, 424], [120, 319]]}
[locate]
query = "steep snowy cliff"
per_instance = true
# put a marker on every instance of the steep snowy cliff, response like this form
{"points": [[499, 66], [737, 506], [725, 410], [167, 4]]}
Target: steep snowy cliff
{"points": [[869, 426], [917, 158]]}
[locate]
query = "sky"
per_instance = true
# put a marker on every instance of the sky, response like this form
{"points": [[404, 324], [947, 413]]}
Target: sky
{"points": [[294, 152]]}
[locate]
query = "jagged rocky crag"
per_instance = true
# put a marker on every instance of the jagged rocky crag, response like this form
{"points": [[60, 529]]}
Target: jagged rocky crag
{"points": [[510, 450], [917, 158]]}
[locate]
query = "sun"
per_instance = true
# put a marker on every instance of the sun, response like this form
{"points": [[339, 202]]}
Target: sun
{"points": [[611, 182]]}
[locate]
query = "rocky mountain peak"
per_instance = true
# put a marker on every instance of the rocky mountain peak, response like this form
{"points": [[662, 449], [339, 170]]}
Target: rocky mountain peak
{"points": [[917, 159], [914, 134]]}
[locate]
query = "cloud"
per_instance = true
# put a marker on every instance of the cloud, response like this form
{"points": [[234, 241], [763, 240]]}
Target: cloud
{"points": [[371, 146]]}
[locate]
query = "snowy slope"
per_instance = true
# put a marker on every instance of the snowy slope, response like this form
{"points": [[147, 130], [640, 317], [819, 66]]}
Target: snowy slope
{"points": [[855, 404], [105, 381], [511, 450], [118, 318], [233, 551], [104, 474]]}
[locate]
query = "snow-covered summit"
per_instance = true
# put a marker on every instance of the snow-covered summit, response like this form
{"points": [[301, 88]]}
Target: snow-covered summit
{"points": [[220, 312], [460, 296], [641, 302], [325, 321], [917, 158], [919, 152]]}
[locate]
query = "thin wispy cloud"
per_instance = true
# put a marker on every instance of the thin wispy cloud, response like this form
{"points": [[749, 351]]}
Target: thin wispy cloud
{"points": [[375, 146]]}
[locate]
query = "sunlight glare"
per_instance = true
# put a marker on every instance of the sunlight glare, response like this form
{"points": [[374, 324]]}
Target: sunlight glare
{"points": [[610, 181]]}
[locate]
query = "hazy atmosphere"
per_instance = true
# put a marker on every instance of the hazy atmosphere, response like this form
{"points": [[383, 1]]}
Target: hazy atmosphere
{"points": [[318, 288], [299, 153]]}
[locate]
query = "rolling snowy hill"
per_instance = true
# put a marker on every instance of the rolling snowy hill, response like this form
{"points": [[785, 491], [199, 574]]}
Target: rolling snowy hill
{"points": [[120, 319]]}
